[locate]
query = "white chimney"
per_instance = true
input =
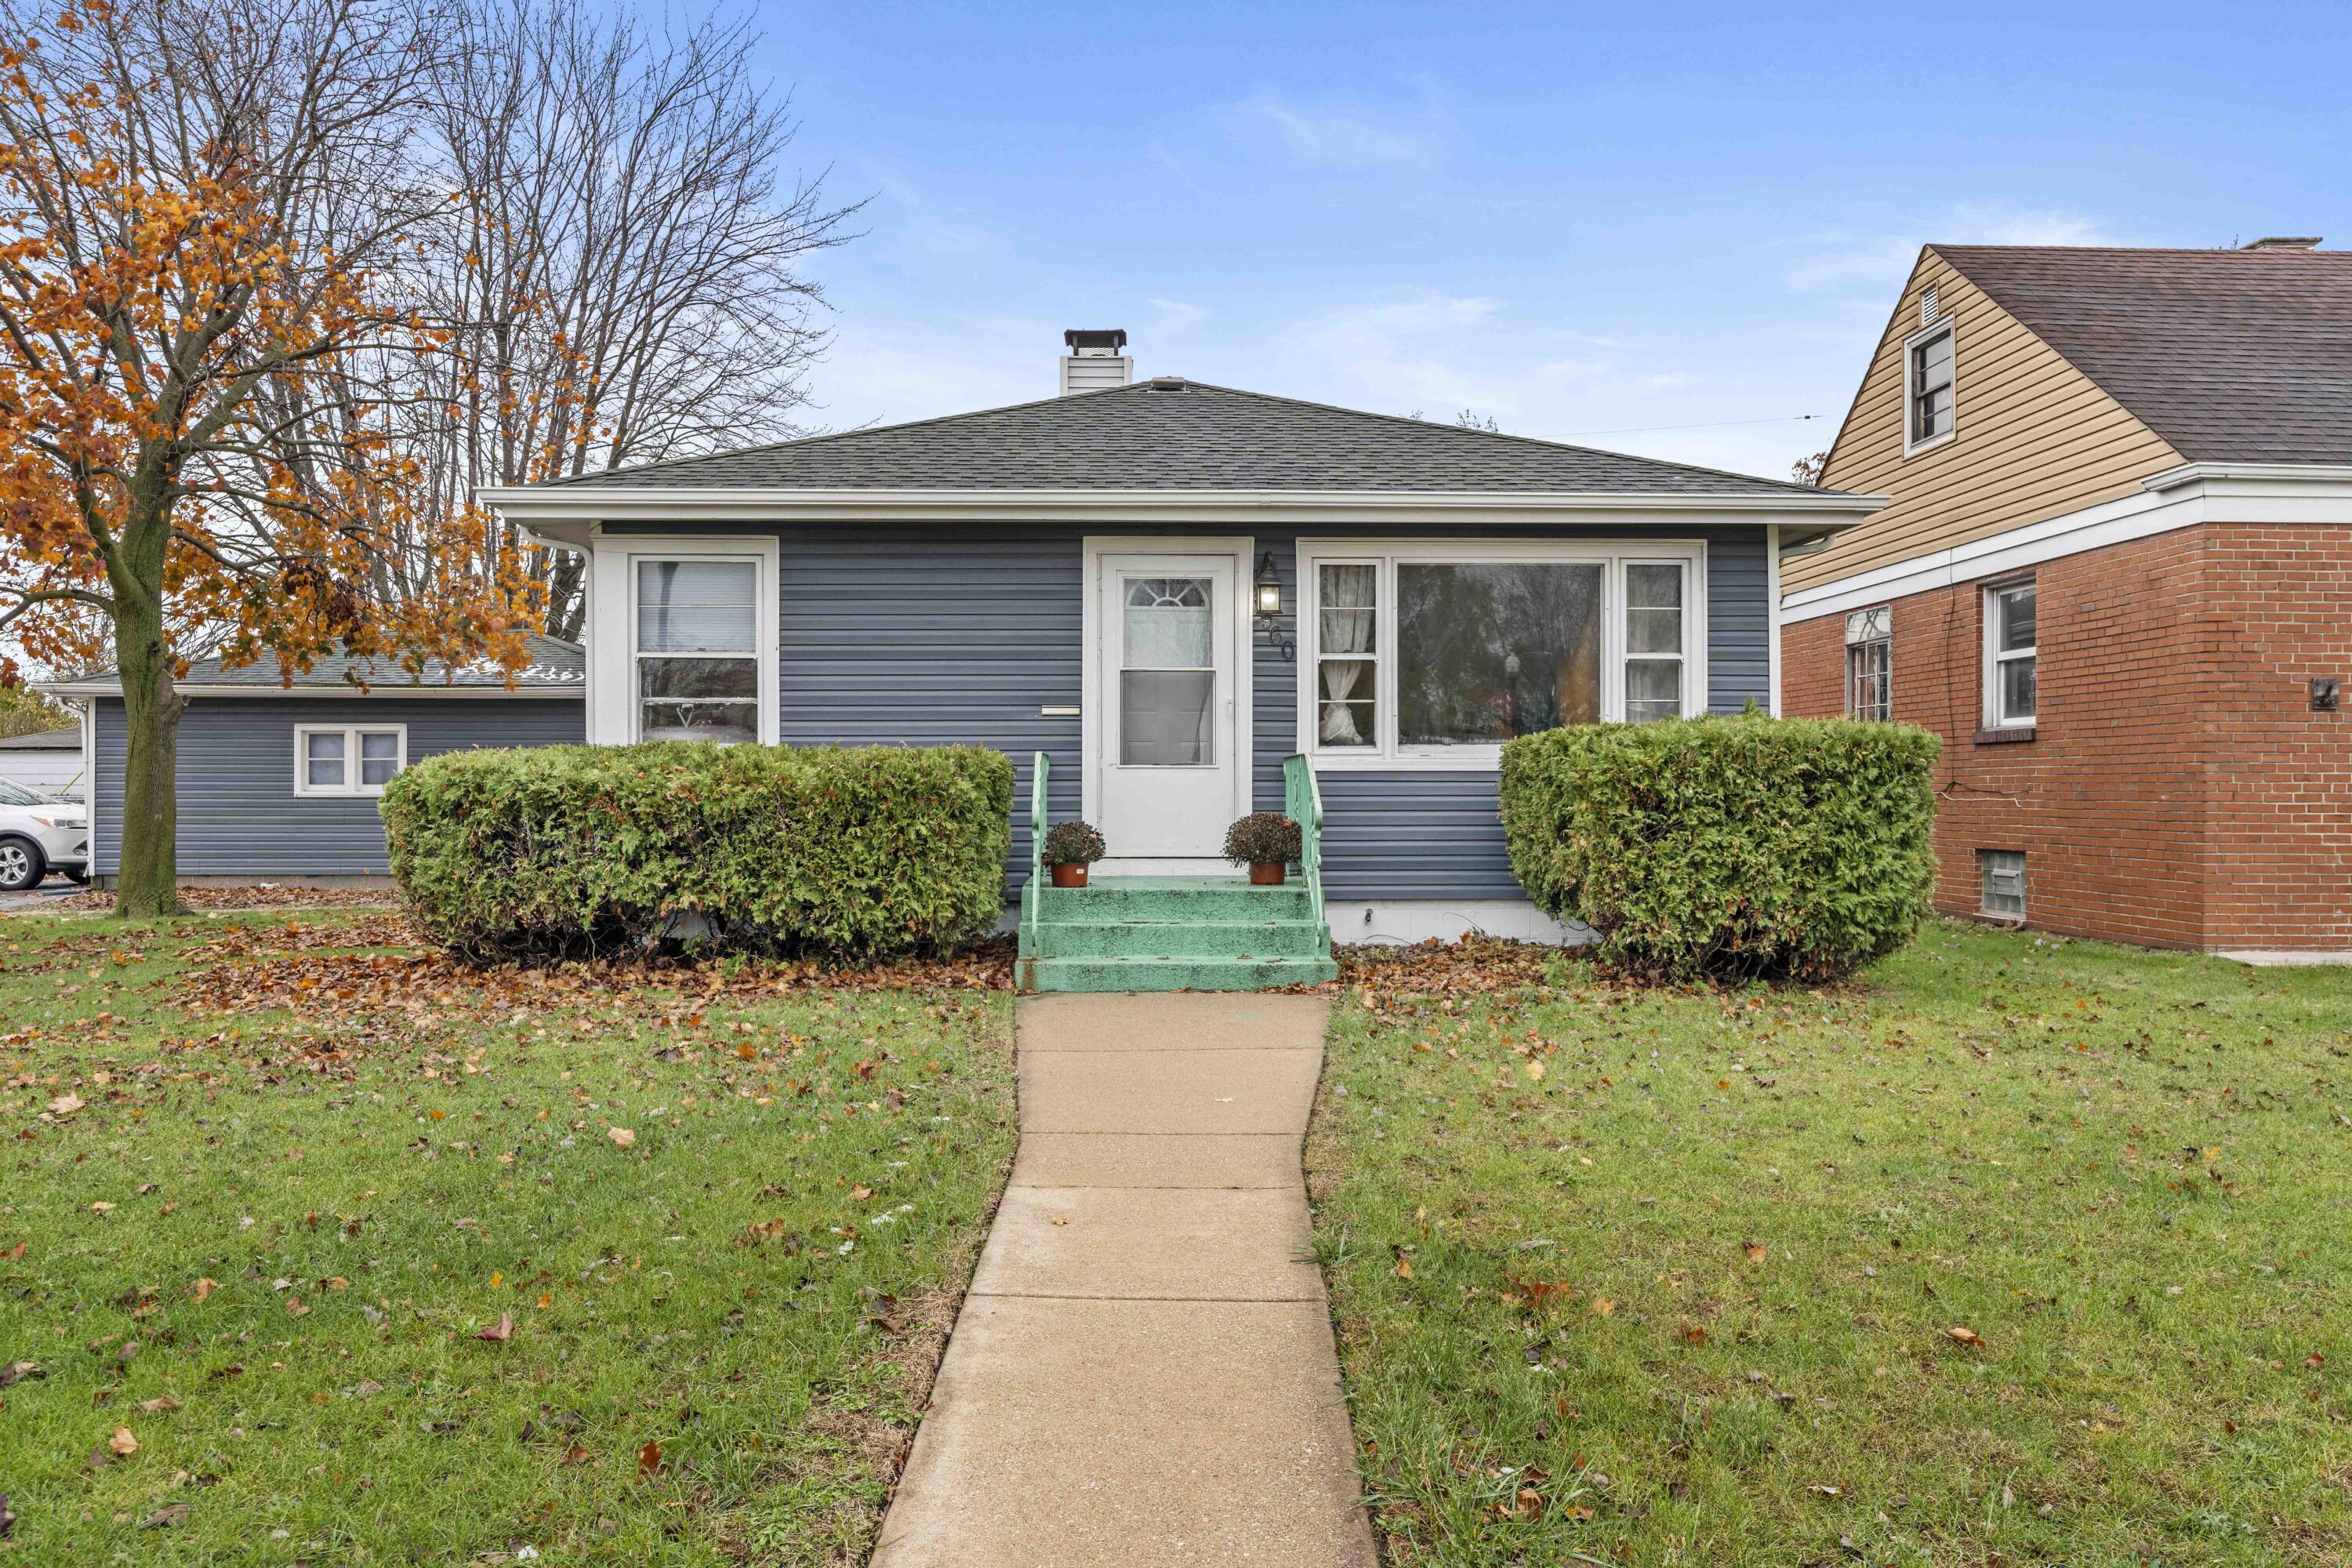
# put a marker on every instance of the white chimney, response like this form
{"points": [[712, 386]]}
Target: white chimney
{"points": [[2283, 242], [1097, 359]]}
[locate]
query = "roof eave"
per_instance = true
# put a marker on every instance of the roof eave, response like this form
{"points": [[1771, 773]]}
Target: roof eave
{"points": [[567, 514], [90, 687]]}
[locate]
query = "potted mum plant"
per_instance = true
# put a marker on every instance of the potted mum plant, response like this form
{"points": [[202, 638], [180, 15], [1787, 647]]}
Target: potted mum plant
{"points": [[1264, 841], [1070, 848]]}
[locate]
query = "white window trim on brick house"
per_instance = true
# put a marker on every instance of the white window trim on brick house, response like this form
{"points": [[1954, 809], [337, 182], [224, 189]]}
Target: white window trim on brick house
{"points": [[1997, 658], [1865, 630]]}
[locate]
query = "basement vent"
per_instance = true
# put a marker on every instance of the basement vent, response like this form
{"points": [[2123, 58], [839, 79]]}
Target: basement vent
{"points": [[1928, 307]]}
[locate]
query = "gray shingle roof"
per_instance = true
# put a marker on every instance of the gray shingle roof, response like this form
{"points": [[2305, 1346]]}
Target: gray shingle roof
{"points": [[1173, 434], [43, 741], [554, 664], [2229, 355]]}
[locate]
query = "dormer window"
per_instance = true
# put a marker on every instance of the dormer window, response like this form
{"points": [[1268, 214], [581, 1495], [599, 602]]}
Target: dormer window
{"points": [[1927, 387]]}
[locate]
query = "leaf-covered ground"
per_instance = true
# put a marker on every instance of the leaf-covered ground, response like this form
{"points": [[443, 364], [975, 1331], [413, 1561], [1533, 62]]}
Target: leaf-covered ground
{"points": [[316, 1255], [2012, 1251]]}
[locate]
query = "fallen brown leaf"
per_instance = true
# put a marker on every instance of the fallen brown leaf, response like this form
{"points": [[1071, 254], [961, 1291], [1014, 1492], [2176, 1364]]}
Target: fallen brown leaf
{"points": [[501, 1329], [205, 1287], [622, 1138], [122, 1443], [1963, 1336], [160, 1405], [66, 1104], [649, 1459], [167, 1516]]}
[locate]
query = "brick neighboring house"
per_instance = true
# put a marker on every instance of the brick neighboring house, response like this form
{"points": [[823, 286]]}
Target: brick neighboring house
{"points": [[2116, 575]]}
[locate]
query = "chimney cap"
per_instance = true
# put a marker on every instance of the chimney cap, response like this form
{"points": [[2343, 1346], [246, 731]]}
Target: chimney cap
{"points": [[2283, 242], [1096, 340]]}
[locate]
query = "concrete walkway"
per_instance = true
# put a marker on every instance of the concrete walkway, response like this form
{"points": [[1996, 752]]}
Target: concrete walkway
{"points": [[1143, 1372]]}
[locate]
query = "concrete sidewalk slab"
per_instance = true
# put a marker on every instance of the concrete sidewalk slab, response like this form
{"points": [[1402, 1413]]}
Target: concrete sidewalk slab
{"points": [[1182, 1021], [1168, 1091], [1143, 1372], [1071, 1433], [1156, 1160], [1151, 1244]]}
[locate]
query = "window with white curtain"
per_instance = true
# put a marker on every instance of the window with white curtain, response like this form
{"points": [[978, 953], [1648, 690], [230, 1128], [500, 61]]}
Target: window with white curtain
{"points": [[1438, 653], [696, 650]]}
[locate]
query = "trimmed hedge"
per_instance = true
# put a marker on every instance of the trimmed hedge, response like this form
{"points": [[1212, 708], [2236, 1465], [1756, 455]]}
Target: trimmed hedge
{"points": [[562, 852], [1727, 847]]}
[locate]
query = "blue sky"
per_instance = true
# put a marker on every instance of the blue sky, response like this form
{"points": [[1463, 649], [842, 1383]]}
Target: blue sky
{"points": [[1575, 220]]}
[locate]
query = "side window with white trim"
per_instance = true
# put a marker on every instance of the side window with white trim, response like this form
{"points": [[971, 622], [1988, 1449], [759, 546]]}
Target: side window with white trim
{"points": [[2010, 694], [1869, 663], [348, 759]]}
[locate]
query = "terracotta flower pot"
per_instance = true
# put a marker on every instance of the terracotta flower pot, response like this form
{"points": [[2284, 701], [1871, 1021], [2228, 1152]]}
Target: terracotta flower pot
{"points": [[1070, 874], [1266, 873]]}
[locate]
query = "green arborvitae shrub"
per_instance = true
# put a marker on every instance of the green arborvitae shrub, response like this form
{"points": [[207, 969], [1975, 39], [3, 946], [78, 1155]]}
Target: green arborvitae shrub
{"points": [[1727, 847], [564, 851]]}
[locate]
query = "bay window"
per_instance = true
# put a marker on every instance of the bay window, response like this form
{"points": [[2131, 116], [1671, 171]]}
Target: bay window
{"points": [[1432, 653], [696, 650]]}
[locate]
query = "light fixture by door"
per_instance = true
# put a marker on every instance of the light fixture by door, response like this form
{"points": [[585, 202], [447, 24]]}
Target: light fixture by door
{"points": [[1269, 608]]}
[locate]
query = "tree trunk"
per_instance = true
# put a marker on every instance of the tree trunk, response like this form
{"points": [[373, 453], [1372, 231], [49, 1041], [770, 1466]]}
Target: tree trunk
{"points": [[148, 883]]}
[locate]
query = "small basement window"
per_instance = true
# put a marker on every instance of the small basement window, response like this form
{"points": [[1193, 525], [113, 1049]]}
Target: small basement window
{"points": [[348, 759], [1928, 384], [2003, 874], [1869, 663]]}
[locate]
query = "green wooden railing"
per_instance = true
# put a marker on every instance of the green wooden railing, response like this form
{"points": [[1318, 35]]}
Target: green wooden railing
{"points": [[1030, 891], [1302, 801]]}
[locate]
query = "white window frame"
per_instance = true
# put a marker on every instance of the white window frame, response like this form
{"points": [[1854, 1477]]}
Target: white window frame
{"points": [[614, 709], [1865, 628], [1912, 446], [351, 788], [1995, 655], [1386, 554]]}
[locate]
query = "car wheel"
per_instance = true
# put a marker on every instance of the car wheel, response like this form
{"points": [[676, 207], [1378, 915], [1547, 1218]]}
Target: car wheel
{"points": [[21, 866]]}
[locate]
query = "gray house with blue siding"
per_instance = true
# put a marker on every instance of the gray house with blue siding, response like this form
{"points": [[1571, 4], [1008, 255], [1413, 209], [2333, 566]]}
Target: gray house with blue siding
{"points": [[1168, 589], [279, 774]]}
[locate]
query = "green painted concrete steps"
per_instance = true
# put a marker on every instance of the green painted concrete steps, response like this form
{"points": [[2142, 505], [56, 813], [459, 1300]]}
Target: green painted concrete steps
{"points": [[1173, 933]]}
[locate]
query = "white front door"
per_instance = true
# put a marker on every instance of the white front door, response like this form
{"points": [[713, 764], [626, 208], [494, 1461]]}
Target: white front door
{"points": [[1165, 758]]}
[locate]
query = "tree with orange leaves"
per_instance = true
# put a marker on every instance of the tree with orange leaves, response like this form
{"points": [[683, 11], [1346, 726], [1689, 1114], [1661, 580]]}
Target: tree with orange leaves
{"points": [[205, 210]]}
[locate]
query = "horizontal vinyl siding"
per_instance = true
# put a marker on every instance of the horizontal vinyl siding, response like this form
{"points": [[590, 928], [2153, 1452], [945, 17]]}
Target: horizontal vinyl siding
{"points": [[937, 633], [2033, 439], [239, 815]]}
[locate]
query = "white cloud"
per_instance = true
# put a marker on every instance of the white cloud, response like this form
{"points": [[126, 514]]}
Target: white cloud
{"points": [[1338, 138]]}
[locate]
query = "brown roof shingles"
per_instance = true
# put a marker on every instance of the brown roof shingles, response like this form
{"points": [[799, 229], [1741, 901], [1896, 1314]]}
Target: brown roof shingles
{"points": [[2229, 355]]}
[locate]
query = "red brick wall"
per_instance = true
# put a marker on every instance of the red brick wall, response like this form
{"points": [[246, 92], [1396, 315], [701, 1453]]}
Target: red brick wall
{"points": [[2278, 845], [2179, 792]]}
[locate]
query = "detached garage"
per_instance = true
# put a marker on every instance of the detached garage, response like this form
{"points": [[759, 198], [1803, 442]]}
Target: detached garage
{"points": [[279, 782]]}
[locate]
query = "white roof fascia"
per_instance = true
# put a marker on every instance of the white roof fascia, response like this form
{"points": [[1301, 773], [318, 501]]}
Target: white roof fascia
{"points": [[566, 514]]}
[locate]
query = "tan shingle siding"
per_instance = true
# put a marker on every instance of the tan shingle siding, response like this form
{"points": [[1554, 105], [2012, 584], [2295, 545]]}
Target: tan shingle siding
{"points": [[2033, 439]]}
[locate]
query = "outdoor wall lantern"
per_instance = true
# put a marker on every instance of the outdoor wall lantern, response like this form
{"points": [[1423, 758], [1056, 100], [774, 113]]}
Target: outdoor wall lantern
{"points": [[1269, 607]]}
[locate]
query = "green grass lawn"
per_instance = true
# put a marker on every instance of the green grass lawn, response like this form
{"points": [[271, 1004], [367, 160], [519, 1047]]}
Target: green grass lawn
{"points": [[377, 1260], [2012, 1251]]}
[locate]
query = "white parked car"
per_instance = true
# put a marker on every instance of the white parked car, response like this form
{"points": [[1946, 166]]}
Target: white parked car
{"points": [[40, 834]]}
